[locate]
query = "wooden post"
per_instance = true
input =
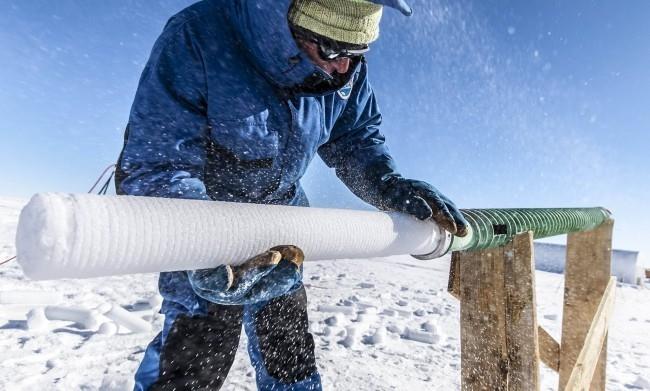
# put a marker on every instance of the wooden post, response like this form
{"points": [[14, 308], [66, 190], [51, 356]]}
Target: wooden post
{"points": [[549, 349], [587, 273], [484, 357], [582, 373], [453, 286], [499, 349], [521, 314]]}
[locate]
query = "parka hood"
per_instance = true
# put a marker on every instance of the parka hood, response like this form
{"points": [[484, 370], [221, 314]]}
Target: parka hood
{"points": [[263, 28]]}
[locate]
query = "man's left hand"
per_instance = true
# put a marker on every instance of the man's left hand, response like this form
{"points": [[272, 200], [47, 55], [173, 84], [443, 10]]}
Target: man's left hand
{"points": [[263, 277], [423, 201]]}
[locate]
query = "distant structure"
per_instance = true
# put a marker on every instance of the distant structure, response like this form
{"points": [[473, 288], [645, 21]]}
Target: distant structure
{"points": [[551, 258]]}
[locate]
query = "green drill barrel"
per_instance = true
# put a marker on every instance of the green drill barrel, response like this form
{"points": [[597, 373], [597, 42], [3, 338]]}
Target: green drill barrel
{"points": [[495, 227]]}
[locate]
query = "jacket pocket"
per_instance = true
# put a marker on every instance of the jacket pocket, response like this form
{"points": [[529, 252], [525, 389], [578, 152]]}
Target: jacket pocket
{"points": [[247, 139]]}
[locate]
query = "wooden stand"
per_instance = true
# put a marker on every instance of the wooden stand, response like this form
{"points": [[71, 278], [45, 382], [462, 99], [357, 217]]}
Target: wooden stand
{"points": [[587, 275], [501, 343]]}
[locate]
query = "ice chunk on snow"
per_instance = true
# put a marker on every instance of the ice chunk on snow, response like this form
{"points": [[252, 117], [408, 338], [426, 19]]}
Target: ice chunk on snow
{"points": [[337, 320], [155, 301], [367, 316], [88, 319], [107, 328], [379, 337], [365, 304], [125, 318], [430, 327], [396, 329], [351, 337], [420, 336], [36, 320]]}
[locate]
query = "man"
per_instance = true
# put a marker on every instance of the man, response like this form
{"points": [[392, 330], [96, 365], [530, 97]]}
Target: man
{"points": [[237, 98]]}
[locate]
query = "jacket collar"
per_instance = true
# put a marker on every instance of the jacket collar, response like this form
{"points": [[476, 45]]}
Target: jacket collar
{"points": [[263, 29]]}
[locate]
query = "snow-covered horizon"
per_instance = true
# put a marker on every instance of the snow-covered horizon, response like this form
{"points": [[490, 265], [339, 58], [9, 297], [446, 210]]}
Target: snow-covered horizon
{"points": [[379, 324]]}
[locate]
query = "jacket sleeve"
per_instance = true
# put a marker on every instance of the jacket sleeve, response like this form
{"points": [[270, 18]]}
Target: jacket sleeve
{"points": [[165, 142], [356, 148]]}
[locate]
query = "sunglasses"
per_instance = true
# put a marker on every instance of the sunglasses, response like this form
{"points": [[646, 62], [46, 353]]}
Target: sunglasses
{"points": [[328, 53], [329, 49]]}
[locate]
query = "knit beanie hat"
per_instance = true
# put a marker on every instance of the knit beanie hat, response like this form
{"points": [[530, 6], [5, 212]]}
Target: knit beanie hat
{"points": [[350, 21]]}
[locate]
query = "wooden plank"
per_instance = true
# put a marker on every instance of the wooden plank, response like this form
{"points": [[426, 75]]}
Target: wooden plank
{"points": [[521, 314], [549, 349], [587, 273], [484, 356], [453, 286], [590, 354]]}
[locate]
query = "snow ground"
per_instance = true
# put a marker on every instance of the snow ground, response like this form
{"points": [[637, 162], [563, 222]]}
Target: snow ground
{"points": [[395, 327]]}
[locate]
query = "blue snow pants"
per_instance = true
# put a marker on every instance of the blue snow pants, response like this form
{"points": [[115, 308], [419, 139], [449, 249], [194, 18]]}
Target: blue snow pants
{"points": [[197, 346]]}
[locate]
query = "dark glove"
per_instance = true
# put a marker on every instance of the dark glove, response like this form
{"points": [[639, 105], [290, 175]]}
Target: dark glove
{"points": [[375, 180], [263, 277], [421, 200]]}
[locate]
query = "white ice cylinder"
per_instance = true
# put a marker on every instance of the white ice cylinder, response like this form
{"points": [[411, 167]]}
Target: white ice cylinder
{"points": [[351, 337], [124, 318], [88, 319], [83, 235], [155, 301], [379, 337], [107, 328]]}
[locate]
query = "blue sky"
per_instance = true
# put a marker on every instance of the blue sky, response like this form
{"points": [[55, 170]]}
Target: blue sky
{"points": [[497, 103]]}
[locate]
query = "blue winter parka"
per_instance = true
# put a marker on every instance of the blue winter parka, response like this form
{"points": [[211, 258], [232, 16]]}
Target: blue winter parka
{"points": [[219, 113]]}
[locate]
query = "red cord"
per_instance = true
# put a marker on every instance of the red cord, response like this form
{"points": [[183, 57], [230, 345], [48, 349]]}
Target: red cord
{"points": [[6, 261], [100, 177]]}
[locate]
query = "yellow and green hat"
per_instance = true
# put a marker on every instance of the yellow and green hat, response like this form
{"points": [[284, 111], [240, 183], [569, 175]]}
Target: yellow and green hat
{"points": [[350, 21]]}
